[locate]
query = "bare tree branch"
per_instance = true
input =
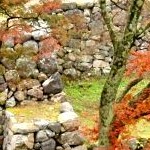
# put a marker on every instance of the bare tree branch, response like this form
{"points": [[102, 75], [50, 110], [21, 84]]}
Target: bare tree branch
{"points": [[108, 20], [119, 6], [132, 22], [137, 96], [11, 16], [143, 30], [128, 88]]}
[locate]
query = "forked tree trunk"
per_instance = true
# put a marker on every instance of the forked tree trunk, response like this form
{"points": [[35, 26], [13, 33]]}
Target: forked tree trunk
{"points": [[108, 96], [121, 51]]}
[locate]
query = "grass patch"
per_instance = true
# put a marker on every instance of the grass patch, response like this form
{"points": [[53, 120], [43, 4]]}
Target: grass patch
{"points": [[36, 110], [85, 94]]}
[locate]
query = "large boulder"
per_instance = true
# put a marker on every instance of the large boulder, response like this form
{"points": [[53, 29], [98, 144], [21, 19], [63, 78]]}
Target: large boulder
{"points": [[53, 84]]}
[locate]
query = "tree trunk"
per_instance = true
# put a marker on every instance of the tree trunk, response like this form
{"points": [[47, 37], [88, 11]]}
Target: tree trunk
{"points": [[108, 96]]}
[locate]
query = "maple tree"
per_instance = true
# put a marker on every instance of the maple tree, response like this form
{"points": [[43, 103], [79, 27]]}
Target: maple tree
{"points": [[21, 18], [122, 41]]}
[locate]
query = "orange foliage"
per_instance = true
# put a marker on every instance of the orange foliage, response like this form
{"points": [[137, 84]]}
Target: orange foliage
{"points": [[127, 113], [91, 133], [15, 32], [139, 63], [47, 7], [13, 2], [48, 45]]}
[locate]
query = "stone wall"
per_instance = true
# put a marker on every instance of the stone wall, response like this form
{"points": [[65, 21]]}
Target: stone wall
{"points": [[44, 134], [23, 79], [92, 53]]}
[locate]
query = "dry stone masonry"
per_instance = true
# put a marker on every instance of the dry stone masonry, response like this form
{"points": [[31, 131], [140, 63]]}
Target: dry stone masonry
{"points": [[23, 79], [92, 53], [44, 134]]}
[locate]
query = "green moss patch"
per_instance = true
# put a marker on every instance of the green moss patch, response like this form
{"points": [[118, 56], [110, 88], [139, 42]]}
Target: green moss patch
{"points": [[35, 111]]}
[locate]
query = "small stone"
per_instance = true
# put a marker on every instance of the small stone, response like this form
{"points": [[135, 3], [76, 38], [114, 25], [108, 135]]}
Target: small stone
{"points": [[49, 133], [2, 80], [42, 124], [66, 116], [48, 66], [12, 76], [60, 97], [3, 87], [24, 128], [37, 146], [11, 102], [99, 57], [71, 138], [106, 70], [23, 142], [10, 94], [40, 34], [48, 145], [42, 77], [66, 107], [87, 12], [55, 127], [66, 146], [41, 136], [75, 43], [32, 46], [71, 125], [8, 63], [82, 147], [12, 86], [86, 58], [28, 84], [72, 72], [26, 67], [20, 95], [100, 64], [35, 92], [59, 148], [71, 57]]}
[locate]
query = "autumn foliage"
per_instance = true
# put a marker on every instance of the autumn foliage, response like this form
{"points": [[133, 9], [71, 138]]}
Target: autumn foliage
{"points": [[127, 113], [139, 63], [47, 7], [129, 110]]}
